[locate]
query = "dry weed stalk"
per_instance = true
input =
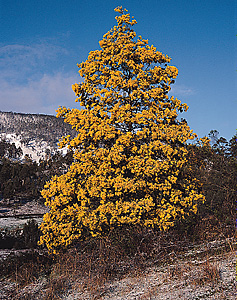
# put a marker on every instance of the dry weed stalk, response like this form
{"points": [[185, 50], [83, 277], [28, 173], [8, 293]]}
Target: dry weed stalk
{"points": [[209, 273]]}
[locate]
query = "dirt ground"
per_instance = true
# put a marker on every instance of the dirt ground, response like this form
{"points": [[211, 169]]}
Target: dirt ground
{"points": [[190, 277]]}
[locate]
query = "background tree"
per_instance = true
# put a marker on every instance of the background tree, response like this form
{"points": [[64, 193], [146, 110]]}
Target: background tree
{"points": [[130, 150], [219, 182], [215, 167]]}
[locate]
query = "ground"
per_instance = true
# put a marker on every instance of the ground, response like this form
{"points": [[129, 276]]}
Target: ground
{"points": [[197, 274], [204, 270]]}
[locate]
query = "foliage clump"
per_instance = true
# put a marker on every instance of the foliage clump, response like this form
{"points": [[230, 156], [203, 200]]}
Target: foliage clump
{"points": [[130, 150]]}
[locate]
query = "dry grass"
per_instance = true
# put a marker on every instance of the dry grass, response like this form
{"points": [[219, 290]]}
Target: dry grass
{"points": [[92, 265], [206, 272], [209, 273]]}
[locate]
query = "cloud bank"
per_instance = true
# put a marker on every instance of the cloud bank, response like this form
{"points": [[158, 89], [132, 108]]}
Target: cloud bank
{"points": [[38, 96], [181, 90], [27, 83]]}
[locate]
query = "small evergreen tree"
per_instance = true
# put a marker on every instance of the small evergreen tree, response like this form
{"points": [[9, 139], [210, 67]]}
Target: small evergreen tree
{"points": [[31, 233], [130, 149]]}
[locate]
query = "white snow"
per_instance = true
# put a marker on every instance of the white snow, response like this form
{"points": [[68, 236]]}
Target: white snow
{"points": [[36, 150]]}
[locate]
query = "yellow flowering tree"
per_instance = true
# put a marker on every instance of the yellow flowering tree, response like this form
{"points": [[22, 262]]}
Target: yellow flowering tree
{"points": [[130, 150]]}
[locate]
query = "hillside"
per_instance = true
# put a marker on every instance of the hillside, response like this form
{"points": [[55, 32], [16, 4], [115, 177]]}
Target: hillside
{"points": [[33, 133], [204, 270]]}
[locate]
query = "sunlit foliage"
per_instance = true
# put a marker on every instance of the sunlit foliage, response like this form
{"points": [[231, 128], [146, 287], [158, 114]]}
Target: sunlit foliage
{"points": [[130, 150]]}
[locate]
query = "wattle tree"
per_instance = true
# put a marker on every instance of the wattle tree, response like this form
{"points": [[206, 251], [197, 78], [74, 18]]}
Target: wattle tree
{"points": [[130, 151]]}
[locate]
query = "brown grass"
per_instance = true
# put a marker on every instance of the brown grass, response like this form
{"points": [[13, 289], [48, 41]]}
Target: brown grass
{"points": [[209, 273], [90, 265]]}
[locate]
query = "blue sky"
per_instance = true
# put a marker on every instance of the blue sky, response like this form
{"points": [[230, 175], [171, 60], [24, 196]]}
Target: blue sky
{"points": [[42, 41]]}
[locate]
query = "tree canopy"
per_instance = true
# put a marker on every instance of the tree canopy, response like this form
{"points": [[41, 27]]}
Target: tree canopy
{"points": [[130, 150]]}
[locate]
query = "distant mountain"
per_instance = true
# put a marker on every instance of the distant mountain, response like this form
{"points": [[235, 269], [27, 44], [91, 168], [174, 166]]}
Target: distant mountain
{"points": [[36, 134]]}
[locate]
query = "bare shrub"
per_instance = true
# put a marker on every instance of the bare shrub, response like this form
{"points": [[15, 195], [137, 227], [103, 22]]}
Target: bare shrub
{"points": [[209, 273]]}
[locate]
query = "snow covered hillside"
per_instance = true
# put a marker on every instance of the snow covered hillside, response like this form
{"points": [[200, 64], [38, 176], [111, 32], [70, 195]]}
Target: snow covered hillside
{"points": [[37, 135]]}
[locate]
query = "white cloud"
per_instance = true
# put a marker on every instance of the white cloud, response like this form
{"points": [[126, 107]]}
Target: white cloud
{"points": [[18, 57], [27, 83], [181, 90], [41, 96]]}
